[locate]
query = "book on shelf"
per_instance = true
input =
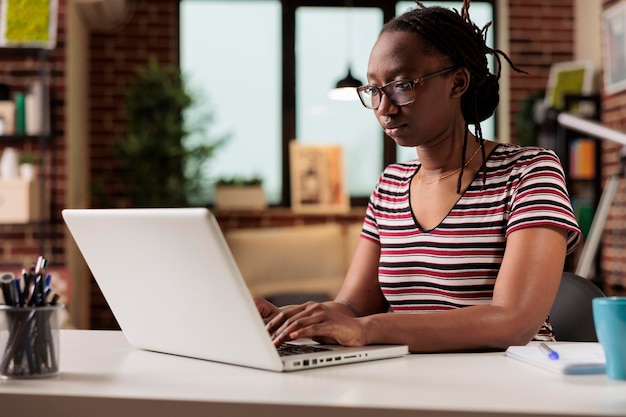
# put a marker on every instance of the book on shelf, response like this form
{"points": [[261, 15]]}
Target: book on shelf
{"points": [[582, 159]]}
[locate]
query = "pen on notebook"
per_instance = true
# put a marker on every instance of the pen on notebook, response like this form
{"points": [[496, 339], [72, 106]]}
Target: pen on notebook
{"points": [[551, 354]]}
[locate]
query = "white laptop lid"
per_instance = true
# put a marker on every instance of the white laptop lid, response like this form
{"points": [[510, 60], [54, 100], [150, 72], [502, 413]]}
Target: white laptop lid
{"points": [[174, 287]]}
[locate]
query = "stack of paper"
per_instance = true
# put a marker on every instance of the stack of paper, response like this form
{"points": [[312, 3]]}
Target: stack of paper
{"points": [[574, 358]]}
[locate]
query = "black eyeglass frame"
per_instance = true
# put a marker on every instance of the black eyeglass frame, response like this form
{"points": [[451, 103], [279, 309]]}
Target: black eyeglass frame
{"points": [[413, 83]]}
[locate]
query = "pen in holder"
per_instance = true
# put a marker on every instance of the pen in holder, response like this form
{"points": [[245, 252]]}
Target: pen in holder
{"points": [[29, 324], [29, 341]]}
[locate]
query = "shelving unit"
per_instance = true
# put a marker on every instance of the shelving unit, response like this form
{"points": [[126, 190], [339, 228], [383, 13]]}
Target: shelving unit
{"points": [[583, 160], [37, 67], [581, 157]]}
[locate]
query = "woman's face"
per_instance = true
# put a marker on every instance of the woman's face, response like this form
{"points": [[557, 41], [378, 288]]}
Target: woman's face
{"points": [[397, 55]]}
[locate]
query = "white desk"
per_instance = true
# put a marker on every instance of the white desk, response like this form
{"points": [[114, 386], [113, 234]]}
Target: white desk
{"points": [[101, 375]]}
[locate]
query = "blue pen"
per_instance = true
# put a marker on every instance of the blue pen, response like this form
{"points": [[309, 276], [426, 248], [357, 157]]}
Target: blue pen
{"points": [[551, 354], [18, 292]]}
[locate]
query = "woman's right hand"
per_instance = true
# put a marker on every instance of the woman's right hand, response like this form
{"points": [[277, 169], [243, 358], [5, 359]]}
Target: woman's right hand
{"points": [[266, 309]]}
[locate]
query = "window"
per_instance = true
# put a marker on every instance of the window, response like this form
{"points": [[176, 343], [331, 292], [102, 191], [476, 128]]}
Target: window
{"points": [[328, 41], [263, 68], [231, 55]]}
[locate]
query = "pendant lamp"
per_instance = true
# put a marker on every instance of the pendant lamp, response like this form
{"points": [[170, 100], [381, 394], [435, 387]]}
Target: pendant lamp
{"points": [[345, 89]]}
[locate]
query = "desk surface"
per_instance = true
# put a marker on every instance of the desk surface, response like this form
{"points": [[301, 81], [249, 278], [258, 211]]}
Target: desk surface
{"points": [[102, 375]]}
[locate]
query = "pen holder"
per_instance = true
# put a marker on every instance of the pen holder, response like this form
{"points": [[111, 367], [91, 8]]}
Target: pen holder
{"points": [[29, 341]]}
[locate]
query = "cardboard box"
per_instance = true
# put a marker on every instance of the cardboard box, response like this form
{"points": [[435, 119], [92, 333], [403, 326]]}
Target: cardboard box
{"points": [[20, 201]]}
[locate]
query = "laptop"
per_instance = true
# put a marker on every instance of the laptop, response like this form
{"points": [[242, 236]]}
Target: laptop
{"points": [[173, 285]]}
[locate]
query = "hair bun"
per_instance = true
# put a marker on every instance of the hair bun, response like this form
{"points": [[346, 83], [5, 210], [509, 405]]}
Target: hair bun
{"points": [[479, 107]]}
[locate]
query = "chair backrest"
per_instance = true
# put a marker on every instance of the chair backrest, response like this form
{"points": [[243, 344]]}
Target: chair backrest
{"points": [[571, 315]]}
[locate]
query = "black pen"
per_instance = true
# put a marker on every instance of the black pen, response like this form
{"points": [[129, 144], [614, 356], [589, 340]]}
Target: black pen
{"points": [[551, 354], [8, 288]]}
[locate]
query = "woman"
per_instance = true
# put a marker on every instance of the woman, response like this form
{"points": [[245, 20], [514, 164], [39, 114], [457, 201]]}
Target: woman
{"points": [[472, 236]]}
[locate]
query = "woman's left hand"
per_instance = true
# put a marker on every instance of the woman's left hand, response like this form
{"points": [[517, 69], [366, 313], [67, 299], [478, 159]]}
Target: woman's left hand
{"points": [[319, 321]]}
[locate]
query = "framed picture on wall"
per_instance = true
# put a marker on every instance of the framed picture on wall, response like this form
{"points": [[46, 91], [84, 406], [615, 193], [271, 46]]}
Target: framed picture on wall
{"points": [[614, 27], [573, 77], [317, 179], [28, 23]]}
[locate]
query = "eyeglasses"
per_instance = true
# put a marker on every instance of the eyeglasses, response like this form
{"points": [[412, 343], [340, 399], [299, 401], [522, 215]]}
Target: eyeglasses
{"points": [[400, 93]]}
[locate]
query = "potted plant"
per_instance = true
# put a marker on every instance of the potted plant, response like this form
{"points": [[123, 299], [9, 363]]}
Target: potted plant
{"points": [[240, 193], [164, 157], [28, 166]]}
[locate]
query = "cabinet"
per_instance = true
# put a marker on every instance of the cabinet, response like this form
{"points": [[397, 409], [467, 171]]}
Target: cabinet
{"points": [[581, 157], [27, 72]]}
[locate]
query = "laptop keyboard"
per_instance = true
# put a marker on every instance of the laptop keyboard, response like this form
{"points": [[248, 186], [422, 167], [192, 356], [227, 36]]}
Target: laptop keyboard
{"points": [[287, 349]]}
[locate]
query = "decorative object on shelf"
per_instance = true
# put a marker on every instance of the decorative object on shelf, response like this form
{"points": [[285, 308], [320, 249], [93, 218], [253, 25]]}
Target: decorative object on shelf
{"points": [[9, 164], [37, 120], [28, 166], [31, 23], [20, 113], [317, 179], [20, 201], [7, 111], [7, 117], [240, 194], [565, 78], [161, 165]]}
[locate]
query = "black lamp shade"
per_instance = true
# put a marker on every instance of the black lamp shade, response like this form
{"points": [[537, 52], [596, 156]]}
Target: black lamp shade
{"points": [[348, 81]]}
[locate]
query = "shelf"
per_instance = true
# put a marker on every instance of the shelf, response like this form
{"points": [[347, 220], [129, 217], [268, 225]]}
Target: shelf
{"points": [[20, 51], [23, 138], [26, 63], [581, 156]]}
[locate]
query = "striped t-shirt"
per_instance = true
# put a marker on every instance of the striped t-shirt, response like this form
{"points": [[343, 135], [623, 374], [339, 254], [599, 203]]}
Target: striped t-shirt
{"points": [[456, 264]]}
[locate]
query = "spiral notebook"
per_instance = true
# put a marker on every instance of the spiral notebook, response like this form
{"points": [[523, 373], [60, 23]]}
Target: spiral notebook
{"points": [[574, 358]]}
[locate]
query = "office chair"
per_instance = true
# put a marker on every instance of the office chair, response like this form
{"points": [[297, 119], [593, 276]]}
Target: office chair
{"points": [[571, 315]]}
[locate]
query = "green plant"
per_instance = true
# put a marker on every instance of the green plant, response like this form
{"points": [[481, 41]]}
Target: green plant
{"points": [[525, 119], [28, 158], [162, 168], [239, 181]]}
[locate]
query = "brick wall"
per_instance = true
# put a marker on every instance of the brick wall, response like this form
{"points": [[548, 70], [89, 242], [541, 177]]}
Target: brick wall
{"points": [[151, 32], [540, 34], [613, 262]]}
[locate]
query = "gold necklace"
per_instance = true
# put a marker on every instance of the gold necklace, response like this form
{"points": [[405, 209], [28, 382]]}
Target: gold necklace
{"points": [[449, 174]]}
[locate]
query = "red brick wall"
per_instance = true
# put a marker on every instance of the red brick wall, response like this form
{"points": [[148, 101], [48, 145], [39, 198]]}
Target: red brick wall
{"points": [[152, 32], [613, 263], [540, 34]]}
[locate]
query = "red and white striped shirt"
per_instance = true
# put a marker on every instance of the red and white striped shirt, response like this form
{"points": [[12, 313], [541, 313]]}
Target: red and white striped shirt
{"points": [[456, 263]]}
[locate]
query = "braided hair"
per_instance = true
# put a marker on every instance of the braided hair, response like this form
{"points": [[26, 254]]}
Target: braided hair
{"points": [[454, 35]]}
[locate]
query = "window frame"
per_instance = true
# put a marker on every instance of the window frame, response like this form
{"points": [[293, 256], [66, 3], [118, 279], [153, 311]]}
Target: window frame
{"points": [[288, 94]]}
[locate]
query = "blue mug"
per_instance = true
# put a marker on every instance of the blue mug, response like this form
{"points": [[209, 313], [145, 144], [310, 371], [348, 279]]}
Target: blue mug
{"points": [[609, 316]]}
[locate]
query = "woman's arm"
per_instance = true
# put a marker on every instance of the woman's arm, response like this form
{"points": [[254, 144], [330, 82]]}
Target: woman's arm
{"points": [[523, 295], [360, 295], [524, 292]]}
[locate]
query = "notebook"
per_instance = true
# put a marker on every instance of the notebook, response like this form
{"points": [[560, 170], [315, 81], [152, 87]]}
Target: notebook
{"points": [[174, 287], [573, 358]]}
